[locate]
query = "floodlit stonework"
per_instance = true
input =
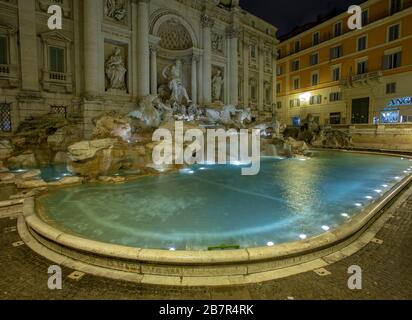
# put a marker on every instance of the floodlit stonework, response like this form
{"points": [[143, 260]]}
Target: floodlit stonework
{"points": [[110, 54]]}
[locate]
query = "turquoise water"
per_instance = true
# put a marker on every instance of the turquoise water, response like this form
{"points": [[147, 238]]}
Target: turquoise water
{"points": [[48, 173], [206, 206]]}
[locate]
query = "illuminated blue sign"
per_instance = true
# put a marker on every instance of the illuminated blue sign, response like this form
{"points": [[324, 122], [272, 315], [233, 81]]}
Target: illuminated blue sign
{"points": [[405, 101]]}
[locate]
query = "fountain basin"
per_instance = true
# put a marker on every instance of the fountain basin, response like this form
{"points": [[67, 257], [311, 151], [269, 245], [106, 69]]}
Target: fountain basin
{"points": [[248, 264]]}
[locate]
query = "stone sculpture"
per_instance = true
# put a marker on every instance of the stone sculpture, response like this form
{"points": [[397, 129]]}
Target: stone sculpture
{"points": [[115, 71], [115, 9], [178, 93], [217, 84]]}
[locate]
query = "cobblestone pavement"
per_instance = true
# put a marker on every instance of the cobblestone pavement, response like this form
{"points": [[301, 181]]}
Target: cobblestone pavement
{"points": [[387, 274]]}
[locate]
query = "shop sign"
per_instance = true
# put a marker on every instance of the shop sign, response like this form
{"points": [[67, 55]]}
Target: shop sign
{"points": [[405, 101]]}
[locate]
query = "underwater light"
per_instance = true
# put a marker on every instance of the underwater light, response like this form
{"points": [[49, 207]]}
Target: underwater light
{"points": [[303, 236], [270, 244], [369, 197], [202, 168], [172, 249], [397, 178], [385, 185], [358, 204], [345, 215], [325, 228], [378, 191]]}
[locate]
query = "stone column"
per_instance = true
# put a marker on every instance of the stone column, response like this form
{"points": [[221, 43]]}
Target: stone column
{"points": [[92, 34], [207, 24], [274, 79], [246, 63], [261, 100], [153, 69], [194, 79], [233, 34], [28, 45], [143, 54]]}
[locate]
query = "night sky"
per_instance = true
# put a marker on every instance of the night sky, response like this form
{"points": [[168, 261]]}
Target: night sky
{"points": [[287, 14]]}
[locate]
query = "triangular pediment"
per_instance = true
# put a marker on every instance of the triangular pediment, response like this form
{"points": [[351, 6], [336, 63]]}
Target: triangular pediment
{"points": [[55, 34]]}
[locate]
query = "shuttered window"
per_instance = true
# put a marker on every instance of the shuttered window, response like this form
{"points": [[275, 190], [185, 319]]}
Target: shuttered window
{"points": [[392, 61], [56, 57], [3, 50]]}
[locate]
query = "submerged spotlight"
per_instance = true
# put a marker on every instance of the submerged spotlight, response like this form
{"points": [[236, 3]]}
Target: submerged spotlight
{"points": [[385, 185], [270, 244], [369, 197], [358, 204], [325, 228], [345, 215], [303, 236]]}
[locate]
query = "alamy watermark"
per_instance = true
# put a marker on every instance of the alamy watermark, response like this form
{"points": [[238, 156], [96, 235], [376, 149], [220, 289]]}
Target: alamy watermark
{"points": [[191, 148]]}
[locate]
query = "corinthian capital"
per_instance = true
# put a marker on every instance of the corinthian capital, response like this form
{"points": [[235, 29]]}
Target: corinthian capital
{"points": [[207, 22], [232, 32]]}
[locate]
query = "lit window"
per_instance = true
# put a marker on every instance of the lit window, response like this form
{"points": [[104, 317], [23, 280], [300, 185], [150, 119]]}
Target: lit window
{"points": [[315, 99], [297, 46], [279, 70], [278, 87], [253, 51], [335, 118]]}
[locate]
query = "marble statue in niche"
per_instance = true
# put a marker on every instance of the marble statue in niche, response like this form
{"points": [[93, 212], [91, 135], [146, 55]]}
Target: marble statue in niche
{"points": [[217, 43], [116, 9], [217, 86], [178, 93], [115, 71]]}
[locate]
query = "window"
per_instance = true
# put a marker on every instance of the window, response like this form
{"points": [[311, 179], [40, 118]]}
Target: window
{"points": [[279, 104], [315, 79], [335, 96], [316, 38], [5, 117], [294, 103], [390, 116], [59, 111], [268, 95], [335, 73], [392, 61], [391, 88], [297, 46], [3, 50], [296, 83], [337, 29], [365, 17], [279, 70], [335, 118], [253, 93], [278, 87], [362, 43], [295, 65], [314, 59], [395, 6], [253, 51], [315, 99], [394, 32], [362, 67], [56, 59], [336, 52]]}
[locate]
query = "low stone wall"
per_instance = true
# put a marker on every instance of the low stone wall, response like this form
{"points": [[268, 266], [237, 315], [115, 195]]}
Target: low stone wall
{"points": [[394, 137]]}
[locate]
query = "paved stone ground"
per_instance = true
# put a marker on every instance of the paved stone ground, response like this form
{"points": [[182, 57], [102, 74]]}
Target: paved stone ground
{"points": [[387, 274]]}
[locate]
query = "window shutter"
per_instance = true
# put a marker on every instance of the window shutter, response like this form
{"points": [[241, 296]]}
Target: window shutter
{"points": [[386, 62], [3, 50]]}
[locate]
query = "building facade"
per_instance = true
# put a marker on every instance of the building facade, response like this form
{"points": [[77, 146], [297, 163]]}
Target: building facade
{"points": [[111, 53], [343, 76]]}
